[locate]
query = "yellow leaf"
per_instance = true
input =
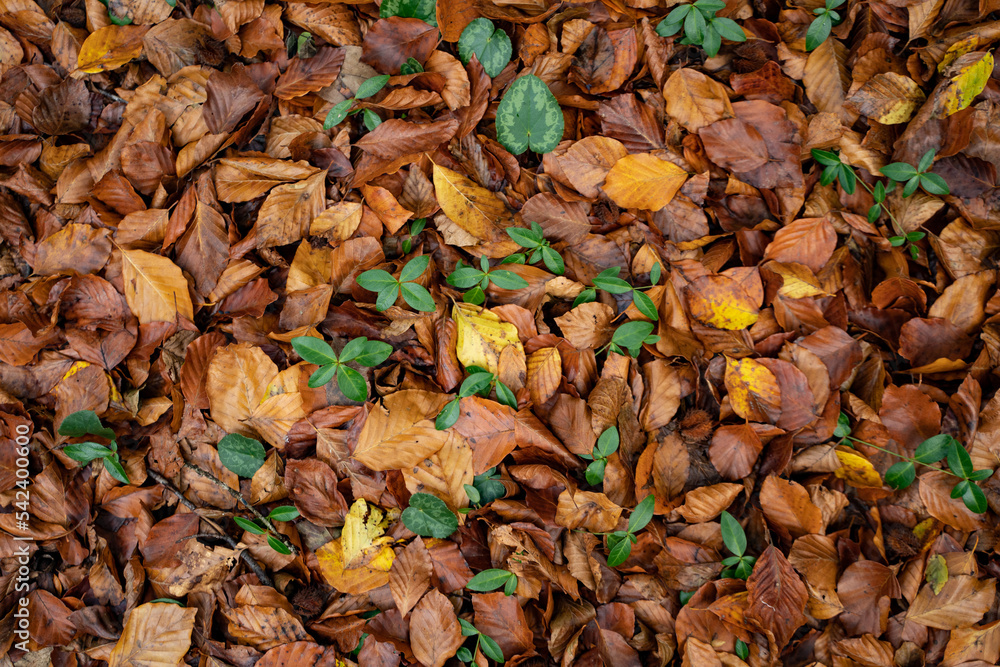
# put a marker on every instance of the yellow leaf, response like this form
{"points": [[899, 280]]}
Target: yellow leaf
{"points": [[753, 390], [643, 181], [155, 288], [721, 302], [482, 336], [888, 98], [544, 374], [110, 47], [857, 470], [360, 559], [969, 75], [476, 210], [798, 281], [936, 573]]}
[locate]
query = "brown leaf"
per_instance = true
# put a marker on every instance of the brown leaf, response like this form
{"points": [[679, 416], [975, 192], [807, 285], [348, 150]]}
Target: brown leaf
{"points": [[777, 596], [231, 96], [410, 575], [434, 631], [310, 74], [156, 634], [961, 603], [390, 42], [787, 504]]}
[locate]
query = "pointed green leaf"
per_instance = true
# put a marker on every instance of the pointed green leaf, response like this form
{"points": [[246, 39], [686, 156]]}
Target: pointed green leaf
{"points": [[85, 452], [352, 384], [489, 580], [84, 422]]}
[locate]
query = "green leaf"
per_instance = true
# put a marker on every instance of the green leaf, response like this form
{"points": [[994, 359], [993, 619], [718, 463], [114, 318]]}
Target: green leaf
{"points": [[586, 296], [694, 27], [654, 274], [475, 383], [352, 384], [411, 66], [829, 175], [526, 238], [980, 475], [685, 596], [507, 279], [711, 41], [428, 516], [742, 650], [874, 212], [278, 545], [337, 114], [620, 552], [322, 375], [825, 158], [506, 396], [249, 526], [115, 469], [417, 226], [896, 241], [744, 569], [911, 186], [959, 460], [314, 350], [732, 535], [372, 119], [900, 475], [283, 513], [85, 452], [529, 117], [729, 29], [490, 648], [594, 473], [476, 296], [609, 281], [710, 6], [631, 334], [913, 237], [818, 31], [448, 416], [608, 443], [352, 349], [84, 422], [642, 514], [468, 629], [926, 161], [933, 449], [959, 489], [169, 600], [414, 268], [465, 277], [847, 178], [553, 261], [387, 298], [511, 586], [668, 27], [879, 192], [489, 44], [489, 580], [376, 280], [473, 493], [934, 184], [898, 171], [645, 305], [120, 20], [373, 353], [418, 297], [240, 454], [975, 499], [425, 10], [464, 654]]}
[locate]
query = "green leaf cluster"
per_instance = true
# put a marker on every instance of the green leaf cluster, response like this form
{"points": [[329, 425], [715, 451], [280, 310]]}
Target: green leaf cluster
{"points": [[484, 643], [388, 287], [631, 336], [416, 226], [479, 382], [701, 26], [429, 516], [534, 240], [942, 446], [360, 350], [342, 110], [529, 116], [82, 423], [485, 488], [477, 280], [918, 176], [490, 580], [820, 28], [620, 542], [609, 281], [606, 445], [739, 565]]}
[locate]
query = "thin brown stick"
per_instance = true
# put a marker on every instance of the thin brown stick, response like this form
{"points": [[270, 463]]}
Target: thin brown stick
{"points": [[243, 501], [244, 554]]}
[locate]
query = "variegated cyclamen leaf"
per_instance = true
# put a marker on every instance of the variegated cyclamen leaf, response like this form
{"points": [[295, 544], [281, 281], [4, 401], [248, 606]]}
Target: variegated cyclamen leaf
{"points": [[490, 45], [529, 117], [425, 10]]}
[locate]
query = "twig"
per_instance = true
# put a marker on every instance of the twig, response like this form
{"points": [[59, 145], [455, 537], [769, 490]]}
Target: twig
{"points": [[244, 554], [243, 501]]}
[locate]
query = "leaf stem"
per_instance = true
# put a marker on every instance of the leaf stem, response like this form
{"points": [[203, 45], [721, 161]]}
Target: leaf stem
{"points": [[901, 456]]}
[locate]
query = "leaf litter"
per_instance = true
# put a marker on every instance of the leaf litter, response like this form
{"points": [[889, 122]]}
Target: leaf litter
{"points": [[465, 332]]}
